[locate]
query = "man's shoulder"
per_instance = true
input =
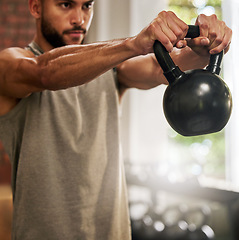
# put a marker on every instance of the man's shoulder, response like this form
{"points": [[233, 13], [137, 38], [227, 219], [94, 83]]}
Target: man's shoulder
{"points": [[15, 52]]}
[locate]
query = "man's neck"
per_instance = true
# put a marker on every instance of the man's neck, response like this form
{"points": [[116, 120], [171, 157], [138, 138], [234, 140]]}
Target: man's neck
{"points": [[42, 43]]}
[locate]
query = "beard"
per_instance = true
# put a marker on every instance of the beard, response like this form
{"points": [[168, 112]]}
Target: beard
{"points": [[51, 35]]}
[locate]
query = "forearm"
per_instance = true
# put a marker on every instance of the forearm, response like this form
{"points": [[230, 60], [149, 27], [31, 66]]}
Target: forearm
{"points": [[75, 65], [144, 72]]}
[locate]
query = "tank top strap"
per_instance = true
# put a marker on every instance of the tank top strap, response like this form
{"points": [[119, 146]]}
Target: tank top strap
{"points": [[35, 49]]}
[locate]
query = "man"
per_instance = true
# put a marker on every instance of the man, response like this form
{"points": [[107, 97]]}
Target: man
{"points": [[59, 116]]}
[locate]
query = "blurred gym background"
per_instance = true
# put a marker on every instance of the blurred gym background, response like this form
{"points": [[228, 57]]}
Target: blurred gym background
{"points": [[179, 188]]}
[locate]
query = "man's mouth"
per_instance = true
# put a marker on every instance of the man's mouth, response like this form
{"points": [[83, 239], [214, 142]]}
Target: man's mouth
{"points": [[75, 34]]}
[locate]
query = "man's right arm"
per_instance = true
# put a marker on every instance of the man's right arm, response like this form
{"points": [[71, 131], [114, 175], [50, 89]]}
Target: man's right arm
{"points": [[21, 73]]}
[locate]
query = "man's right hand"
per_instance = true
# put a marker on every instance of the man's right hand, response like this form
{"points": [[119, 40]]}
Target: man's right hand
{"points": [[167, 28]]}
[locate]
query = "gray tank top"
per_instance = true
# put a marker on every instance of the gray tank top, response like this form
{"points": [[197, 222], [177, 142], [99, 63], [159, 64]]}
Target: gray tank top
{"points": [[67, 177]]}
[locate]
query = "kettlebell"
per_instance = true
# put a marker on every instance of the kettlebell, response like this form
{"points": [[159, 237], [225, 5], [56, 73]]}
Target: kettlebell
{"points": [[198, 101]]}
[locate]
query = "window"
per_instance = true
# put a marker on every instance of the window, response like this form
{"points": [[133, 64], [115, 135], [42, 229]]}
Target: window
{"points": [[188, 10], [202, 155], [151, 140]]}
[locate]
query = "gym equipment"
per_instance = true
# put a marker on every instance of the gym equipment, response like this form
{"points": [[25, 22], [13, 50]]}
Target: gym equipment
{"points": [[198, 101]]}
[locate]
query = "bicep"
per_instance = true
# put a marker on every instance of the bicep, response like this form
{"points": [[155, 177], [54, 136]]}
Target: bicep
{"points": [[19, 74]]}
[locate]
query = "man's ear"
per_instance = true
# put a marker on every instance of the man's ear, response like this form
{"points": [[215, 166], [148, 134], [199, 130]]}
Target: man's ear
{"points": [[35, 8]]}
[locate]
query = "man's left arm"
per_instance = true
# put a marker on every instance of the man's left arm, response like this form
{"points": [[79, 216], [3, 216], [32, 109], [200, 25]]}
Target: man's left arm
{"points": [[144, 72]]}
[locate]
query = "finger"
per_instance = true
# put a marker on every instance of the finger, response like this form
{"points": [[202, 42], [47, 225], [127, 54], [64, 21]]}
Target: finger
{"points": [[170, 29], [181, 44], [162, 34], [222, 41], [179, 27], [216, 43], [224, 45], [198, 42], [169, 33], [203, 25], [216, 34]]}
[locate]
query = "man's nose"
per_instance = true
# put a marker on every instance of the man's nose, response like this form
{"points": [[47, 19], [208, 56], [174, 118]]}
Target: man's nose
{"points": [[77, 17]]}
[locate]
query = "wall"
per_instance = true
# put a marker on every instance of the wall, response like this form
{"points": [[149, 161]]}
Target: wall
{"points": [[16, 23], [17, 29]]}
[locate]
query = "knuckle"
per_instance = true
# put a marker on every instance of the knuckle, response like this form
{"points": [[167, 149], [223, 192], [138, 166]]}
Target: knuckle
{"points": [[173, 39], [152, 27], [171, 13], [166, 14], [159, 20], [185, 28], [223, 24], [163, 13], [230, 31], [165, 42], [204, 26], [202, 16], [218, 40], [214, 17], [180, 32], [213, 34]]}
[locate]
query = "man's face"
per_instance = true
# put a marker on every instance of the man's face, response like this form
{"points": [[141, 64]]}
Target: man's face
{"points": [[66, 22]]}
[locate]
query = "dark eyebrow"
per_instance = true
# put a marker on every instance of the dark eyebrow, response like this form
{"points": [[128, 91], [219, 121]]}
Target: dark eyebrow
{"points": [[72, 1], [90, 1]]}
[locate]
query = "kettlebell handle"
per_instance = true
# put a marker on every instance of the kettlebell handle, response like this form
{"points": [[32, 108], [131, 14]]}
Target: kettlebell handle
{"points": [[171, 71]]}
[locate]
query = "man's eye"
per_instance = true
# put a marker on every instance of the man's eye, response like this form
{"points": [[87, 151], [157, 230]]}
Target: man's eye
{"points": [[65, 5], [88, 5]]}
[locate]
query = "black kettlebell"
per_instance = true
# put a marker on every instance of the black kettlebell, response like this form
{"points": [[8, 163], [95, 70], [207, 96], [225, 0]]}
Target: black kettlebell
{"points": [[197, 101]]}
